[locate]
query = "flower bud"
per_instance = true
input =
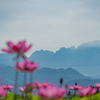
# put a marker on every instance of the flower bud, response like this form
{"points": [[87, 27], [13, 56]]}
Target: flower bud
{"points": [[61, 80]]}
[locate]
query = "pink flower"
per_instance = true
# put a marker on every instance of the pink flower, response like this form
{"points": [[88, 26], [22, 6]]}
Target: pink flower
{"points": [[19, 48], [38, 85], [87, 91], [97, 85], [7, 87], [21, 89], [2, 92], [26, 66], [75, 87], [26, 88], [51, 92]]}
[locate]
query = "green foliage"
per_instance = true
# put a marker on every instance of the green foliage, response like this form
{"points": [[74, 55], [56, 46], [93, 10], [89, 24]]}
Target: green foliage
{"points": [[11, 96], [28, 96], [76, 98]]}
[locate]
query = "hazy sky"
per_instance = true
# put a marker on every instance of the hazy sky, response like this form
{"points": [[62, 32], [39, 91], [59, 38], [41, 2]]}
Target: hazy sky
{"points": [[49, 24]]}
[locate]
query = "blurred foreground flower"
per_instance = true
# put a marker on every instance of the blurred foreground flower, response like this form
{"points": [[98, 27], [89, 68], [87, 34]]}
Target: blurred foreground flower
{"points": [[7, 87], [97, 85], [26, 66], [37, 85], [34, 86], [87, 91], [75, 87], [19, 48], [27, 88], [51, 92], [2, 92]]}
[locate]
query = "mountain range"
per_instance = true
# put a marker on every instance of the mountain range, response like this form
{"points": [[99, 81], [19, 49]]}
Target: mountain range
{"points": [[69, 75], [7, 74], [85, 58], [72, 64], [80, 56]]}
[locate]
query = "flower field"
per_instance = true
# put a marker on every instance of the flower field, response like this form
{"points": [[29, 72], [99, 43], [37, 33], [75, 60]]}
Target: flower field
{"points": [[41, 91]]}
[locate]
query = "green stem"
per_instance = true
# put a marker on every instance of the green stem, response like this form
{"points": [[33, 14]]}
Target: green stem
{"points": [[25, 78], [16, 81], [16, 78], [31, 77], [74, 92]]}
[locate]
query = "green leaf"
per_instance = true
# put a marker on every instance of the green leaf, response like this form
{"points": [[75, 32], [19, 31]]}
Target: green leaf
{"points": [[76, 98], [36, 98], [96, 96], [86, 98]]}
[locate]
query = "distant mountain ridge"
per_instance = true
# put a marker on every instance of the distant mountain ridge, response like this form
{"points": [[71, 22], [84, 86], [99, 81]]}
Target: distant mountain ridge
{"points": [[83, 58], [70, 76], [87, 54], [56, 74], [7, 74], [95, 43]]}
